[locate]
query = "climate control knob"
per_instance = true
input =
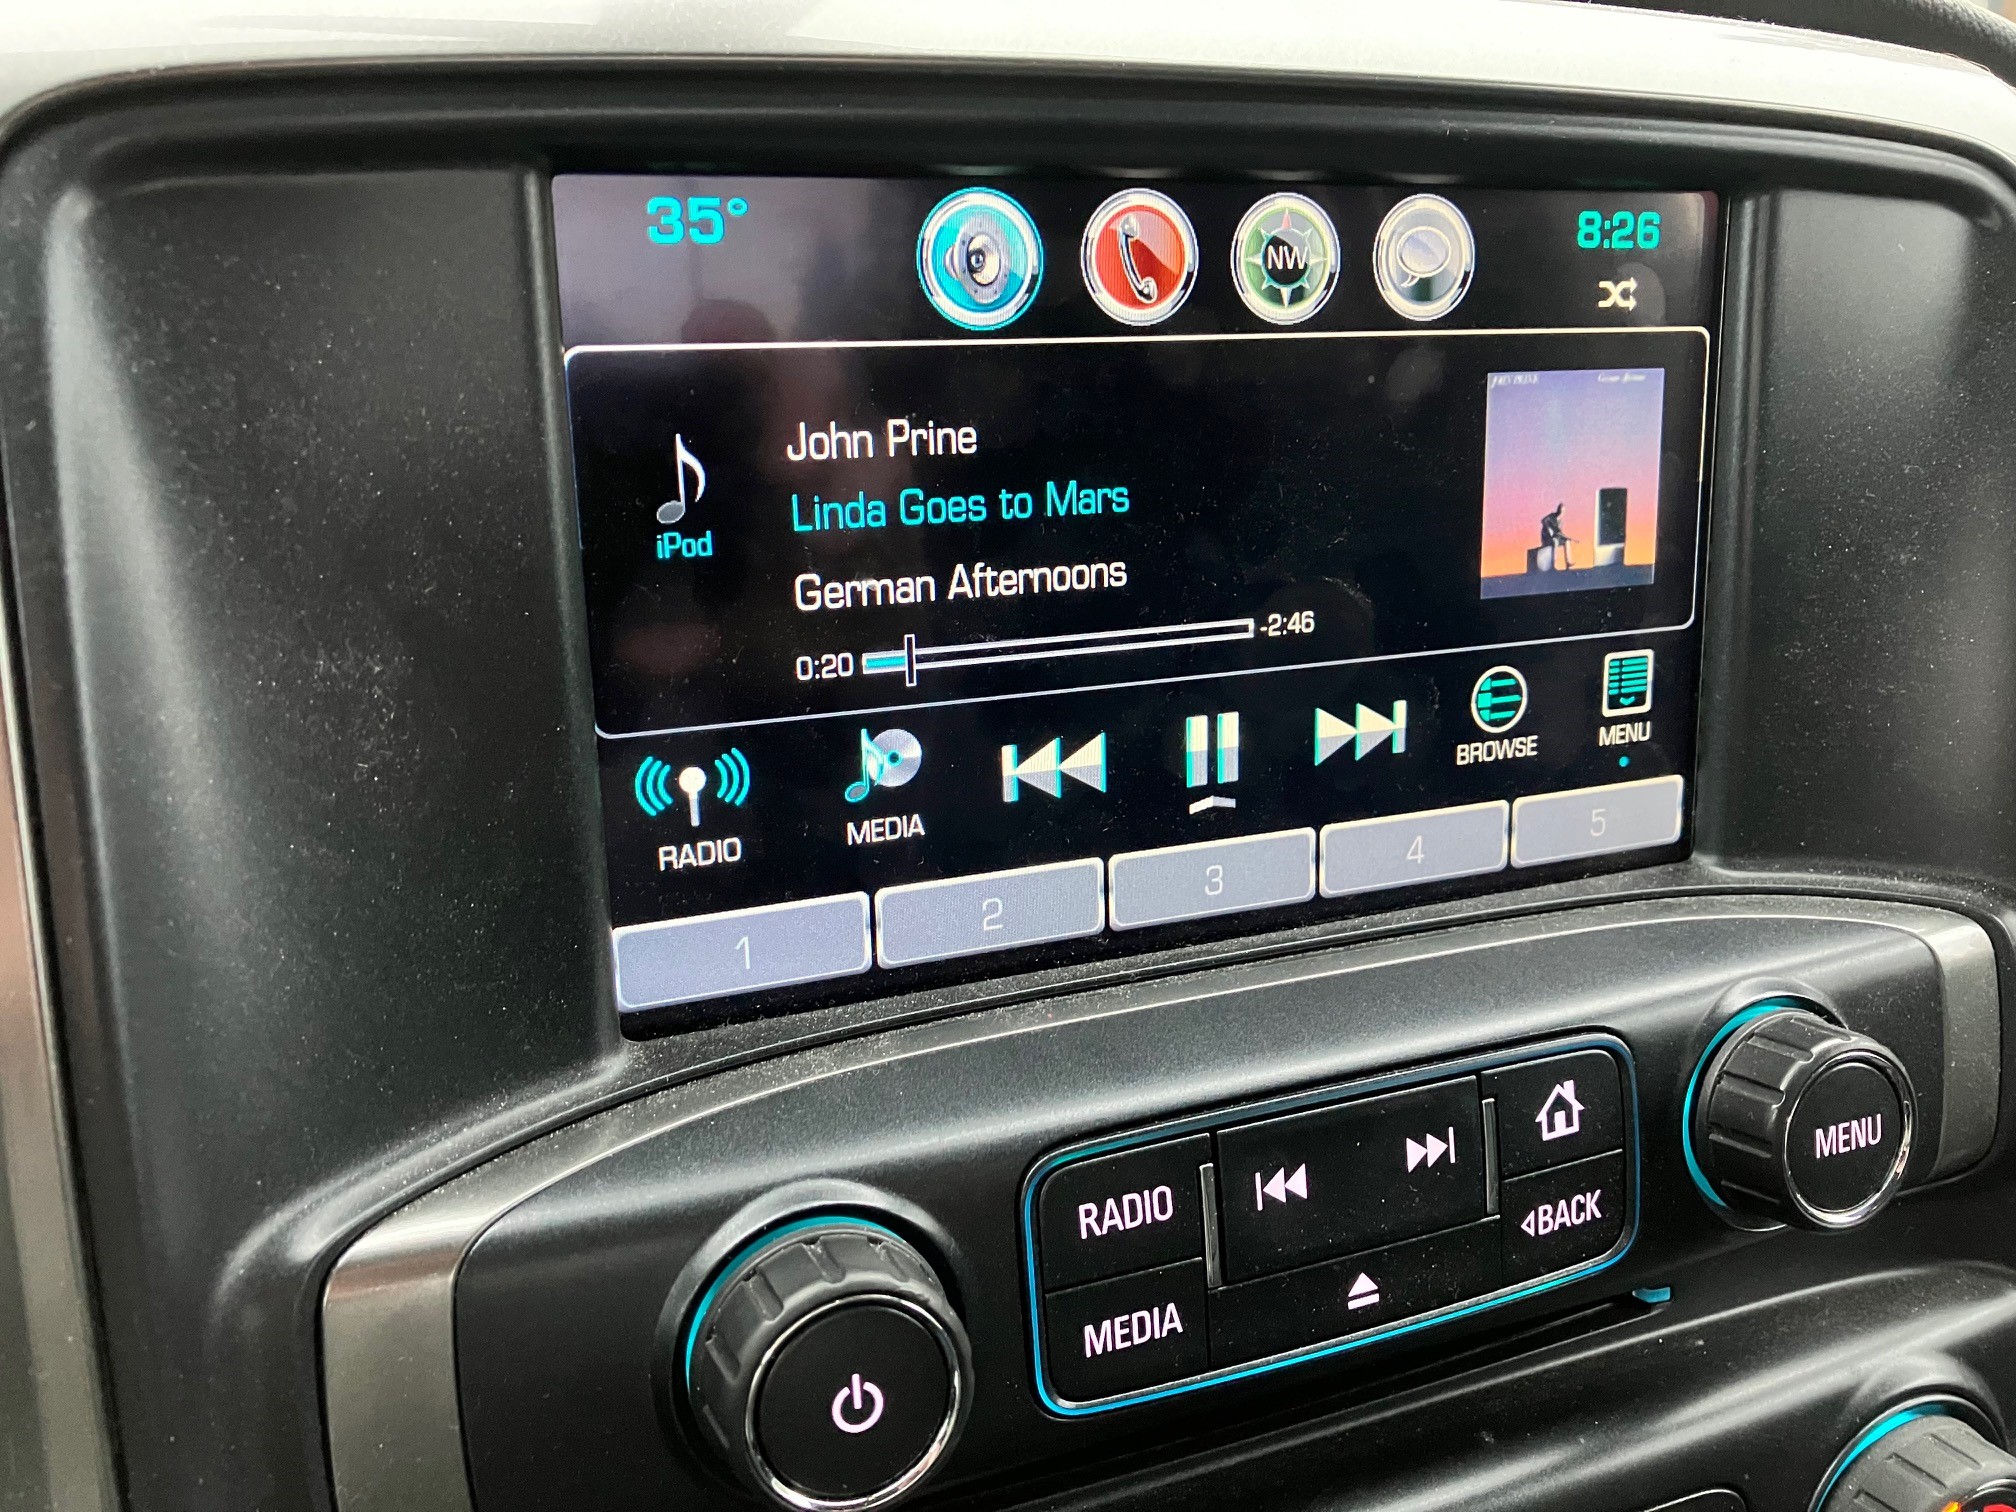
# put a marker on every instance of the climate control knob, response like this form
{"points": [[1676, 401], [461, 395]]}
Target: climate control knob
{"points": [[1794, 1118], [827, 1367], [1932, 1463]]}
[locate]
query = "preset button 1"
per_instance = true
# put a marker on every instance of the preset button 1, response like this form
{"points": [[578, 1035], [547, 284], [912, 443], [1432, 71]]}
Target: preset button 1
{"points": [[1309, 1186], [1123, 1212]]}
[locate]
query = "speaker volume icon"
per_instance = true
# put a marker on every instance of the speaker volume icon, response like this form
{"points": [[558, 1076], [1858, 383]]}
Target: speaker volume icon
{"points": [[655, 779]]}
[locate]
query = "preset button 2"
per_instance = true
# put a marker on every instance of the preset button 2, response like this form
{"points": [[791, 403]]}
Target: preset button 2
{"points": [[1123, 1212], [1309, 1186]]}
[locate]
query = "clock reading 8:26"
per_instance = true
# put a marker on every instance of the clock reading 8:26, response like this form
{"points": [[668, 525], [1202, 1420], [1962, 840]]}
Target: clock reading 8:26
{"points": [[1619, 230]]}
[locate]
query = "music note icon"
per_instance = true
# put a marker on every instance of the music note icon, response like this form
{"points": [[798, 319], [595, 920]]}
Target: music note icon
{"points": [[673, 510]]}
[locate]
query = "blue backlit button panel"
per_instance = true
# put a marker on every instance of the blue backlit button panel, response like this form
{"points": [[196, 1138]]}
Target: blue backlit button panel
{"points": [[961, 916], [1556, 1110], [1336, 1180], [1212, 877], [1596, 821], [1562, 1217], [1297, 1308], [746, 950], [1402, 850], [1138, 1331], [1130, 1211]]}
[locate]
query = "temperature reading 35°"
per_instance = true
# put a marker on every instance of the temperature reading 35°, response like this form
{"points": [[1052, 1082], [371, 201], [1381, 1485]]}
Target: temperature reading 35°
{"points": [[701, 219]]}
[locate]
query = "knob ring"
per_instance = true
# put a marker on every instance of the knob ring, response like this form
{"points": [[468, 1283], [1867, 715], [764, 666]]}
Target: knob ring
{"points": [[1897, 1415], [1709, 1054], [948, 1426], [1832, 1219]]}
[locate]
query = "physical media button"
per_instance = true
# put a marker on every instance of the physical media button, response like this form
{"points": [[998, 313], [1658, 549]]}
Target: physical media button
{"points": [[960, 916], [979, 258], [1596, 821], [1423, 257], [1212, 877], [686, 960], [1562, 1216], [1333, 1181], [1122, 1212], [1139, 257], [1127, 1334], [1284, 258], [1276, 1314], [1553, 1111], [1402, 850], [852, 1401]]}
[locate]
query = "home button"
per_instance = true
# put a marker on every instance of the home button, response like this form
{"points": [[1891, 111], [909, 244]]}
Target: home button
{"points": [[1552, 1111]]}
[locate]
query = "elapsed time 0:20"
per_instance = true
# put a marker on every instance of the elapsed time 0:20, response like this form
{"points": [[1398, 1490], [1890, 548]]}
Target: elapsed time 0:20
{"points": [[1618, 230]]}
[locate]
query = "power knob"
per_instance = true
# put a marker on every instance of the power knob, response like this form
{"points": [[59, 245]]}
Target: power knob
{"points": [[1792, 1117], [1922, 1463], [827, 1367]]}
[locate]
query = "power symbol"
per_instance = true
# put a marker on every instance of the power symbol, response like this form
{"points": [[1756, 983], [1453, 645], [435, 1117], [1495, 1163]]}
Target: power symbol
{"points": [[856, 1397]]}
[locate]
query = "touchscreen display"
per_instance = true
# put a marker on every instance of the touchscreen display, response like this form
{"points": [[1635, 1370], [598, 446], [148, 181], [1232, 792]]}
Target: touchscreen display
{"points": [[988, 575]]}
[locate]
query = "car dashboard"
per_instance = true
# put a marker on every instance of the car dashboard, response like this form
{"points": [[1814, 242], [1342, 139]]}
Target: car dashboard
{"points": [[834, 756]]}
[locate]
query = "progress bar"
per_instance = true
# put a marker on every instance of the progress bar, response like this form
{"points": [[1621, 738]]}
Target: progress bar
{"points": [[912, 659]]}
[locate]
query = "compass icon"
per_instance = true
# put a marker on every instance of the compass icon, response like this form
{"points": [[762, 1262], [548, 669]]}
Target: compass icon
{"points": [[1284, 258]]}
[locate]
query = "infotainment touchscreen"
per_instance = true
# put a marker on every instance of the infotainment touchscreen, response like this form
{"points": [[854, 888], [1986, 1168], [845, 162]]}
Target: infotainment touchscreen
{"points": [[986, 575]]}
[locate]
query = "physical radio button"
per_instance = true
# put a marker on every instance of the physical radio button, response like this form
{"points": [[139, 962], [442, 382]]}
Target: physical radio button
{"points": [[1124, 1212], [1309, 1186], [1276, 1314], [1123, 1335], [1562, 1217], [1556, 1110], [1795, 1118], [827, 1367]]}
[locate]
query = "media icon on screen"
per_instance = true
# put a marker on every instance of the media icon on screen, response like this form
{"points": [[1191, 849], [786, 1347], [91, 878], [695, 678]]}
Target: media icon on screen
{"points": [[1571, 480], [887, 760]]}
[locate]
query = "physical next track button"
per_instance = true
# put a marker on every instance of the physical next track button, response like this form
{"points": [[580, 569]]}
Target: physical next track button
{"points": [[1127, 1334], [1333, 1181], [1122, 1212], [1297, 1308]]}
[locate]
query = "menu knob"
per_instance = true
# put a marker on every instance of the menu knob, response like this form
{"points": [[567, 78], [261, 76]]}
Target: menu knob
{"points": [[1926, 1464], [827, 1367], [1794, 1118]]}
